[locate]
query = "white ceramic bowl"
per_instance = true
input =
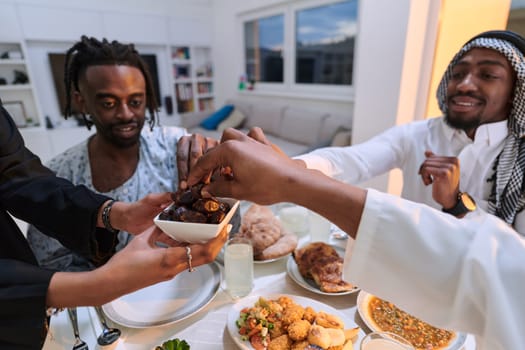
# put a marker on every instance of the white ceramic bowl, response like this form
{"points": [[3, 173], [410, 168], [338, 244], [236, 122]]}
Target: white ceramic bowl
{"points": [[192, 232]]}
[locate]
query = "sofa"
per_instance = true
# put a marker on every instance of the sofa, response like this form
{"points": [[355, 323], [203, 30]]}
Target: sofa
{"points": [[295, 130]]}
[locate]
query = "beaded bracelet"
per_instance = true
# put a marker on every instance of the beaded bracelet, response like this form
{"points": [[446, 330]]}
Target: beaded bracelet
{"points": [[105, 217], [190, 258]]}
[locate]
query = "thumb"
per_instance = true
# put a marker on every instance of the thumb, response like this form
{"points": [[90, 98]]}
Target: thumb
{"points": [[429, 153], [205, 166]]}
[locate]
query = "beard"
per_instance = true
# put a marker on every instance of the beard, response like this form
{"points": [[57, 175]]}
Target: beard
{"points": [[459, 123], [107, 133], [458, 120]]}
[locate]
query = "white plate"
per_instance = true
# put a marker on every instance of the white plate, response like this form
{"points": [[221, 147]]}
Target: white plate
{"points": [[166, 302], [192, 232], [363, 298], [270, 260], [236, 308], [220, 258], [293, 272]]}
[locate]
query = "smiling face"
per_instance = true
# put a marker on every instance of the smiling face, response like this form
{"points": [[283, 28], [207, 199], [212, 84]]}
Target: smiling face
{"points": [[115, 97], [480, 90]]}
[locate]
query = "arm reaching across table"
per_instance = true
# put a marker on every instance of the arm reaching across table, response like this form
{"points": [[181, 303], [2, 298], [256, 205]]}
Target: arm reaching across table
{"points": [[461, 274]]}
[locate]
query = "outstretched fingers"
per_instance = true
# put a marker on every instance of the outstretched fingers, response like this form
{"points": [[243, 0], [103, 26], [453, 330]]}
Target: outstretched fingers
{"points": [[206, 253]]}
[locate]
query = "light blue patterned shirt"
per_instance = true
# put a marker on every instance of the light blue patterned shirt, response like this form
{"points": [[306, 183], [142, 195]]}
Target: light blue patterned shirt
{"points": [[156, 172]]}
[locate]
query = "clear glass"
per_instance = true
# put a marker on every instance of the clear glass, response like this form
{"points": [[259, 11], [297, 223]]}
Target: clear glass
{"points": [[263, 44], [294, 218], [385, 341], [238, 267], [324, 43], [319, 227]]}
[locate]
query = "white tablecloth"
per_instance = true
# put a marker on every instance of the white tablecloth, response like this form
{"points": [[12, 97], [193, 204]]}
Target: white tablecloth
{"points": [[205, 330]]}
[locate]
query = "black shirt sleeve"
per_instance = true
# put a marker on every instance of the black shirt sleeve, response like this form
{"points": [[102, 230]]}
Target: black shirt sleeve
{"points": [[31, 192]]}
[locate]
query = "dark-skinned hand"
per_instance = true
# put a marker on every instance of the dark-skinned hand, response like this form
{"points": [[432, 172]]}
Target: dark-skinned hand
{"points": [[443, 174], [189, 149]]}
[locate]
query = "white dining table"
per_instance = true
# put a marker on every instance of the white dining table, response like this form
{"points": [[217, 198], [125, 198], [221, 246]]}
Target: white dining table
{"points": [[206, 329]]}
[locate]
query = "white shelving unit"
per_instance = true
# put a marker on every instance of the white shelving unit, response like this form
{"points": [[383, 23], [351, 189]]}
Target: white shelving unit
{"points": [[18, 96], [192, 78]]}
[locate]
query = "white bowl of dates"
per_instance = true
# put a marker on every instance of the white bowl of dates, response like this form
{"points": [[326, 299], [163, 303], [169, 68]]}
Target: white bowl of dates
{"points": [[194, 219]]}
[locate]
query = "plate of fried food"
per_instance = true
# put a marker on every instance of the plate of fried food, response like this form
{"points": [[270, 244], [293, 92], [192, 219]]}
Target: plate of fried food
{"points": [[318, 267], [383, 316], [283, 321], [270, 241]]}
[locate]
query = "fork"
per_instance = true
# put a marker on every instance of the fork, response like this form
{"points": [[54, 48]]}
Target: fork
{"points": [[79, 343]]}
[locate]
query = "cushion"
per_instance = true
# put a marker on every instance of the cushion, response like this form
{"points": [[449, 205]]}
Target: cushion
{"points": [[242, 105], [321, 144], [342, 138], [234, 120], [216, 118], [266, 116], [332, 124], [301, 125]]}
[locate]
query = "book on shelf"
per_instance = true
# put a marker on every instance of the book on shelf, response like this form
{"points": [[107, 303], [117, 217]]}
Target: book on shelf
{"points": [[184, 92], [205, 88], [181, 72], [204, 71], [182, 53], [185, 106], [206, 104]]}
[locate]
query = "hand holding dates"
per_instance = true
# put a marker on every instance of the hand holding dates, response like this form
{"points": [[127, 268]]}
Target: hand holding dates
{"points": [[190, 206]]}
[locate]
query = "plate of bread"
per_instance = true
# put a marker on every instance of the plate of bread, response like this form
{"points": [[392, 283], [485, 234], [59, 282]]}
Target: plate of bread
{"points": [[269, 239], [281, 321], [318, 267]]}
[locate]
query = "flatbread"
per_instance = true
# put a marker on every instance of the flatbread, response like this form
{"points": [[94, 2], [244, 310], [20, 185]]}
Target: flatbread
{"points": [[268, 237], [285, 245]]}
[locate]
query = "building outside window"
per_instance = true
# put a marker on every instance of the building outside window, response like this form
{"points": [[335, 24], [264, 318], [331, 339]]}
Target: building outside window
{"points": [[302, 45], [264, 40], [324, 44]]}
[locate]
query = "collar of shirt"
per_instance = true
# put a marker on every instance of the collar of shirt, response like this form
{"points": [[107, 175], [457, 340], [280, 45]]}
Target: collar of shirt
{"points": [[488, 134]]}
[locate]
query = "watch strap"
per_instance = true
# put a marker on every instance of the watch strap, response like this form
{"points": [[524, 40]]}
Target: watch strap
{"points": [[460, 208]]}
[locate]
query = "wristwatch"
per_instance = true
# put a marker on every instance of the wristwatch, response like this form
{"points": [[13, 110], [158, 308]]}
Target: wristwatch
{"points": [[465, 204]]}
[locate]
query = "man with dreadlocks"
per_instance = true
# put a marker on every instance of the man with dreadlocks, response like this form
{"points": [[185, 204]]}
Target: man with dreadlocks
{"points": [[112, 87], [482, 99]]}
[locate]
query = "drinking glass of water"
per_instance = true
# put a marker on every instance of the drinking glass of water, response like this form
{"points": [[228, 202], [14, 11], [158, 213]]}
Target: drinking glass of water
{"points": [[319, 227], [385, 341], [294, 218], [238, 267]]}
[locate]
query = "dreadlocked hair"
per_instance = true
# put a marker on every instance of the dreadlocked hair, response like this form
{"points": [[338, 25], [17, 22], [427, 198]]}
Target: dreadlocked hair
{"points": [[92, 52]]}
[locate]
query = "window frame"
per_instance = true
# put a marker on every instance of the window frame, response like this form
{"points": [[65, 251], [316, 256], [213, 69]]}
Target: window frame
{"points": [[289, 87]]}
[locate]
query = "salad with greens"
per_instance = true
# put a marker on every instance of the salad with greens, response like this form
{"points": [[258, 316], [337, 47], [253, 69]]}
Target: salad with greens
{"points": [[174, 344]]}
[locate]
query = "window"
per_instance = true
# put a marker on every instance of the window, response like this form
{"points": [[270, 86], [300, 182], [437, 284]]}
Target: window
{"points": [[324, 44], [263, 41], [299, 47]]}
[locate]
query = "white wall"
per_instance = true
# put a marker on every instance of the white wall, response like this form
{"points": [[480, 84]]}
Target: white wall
{"points": [[391, 69]]}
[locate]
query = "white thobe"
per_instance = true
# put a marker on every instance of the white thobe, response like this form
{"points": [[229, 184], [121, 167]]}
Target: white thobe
{"points": [[404, 147], [461, 274]]}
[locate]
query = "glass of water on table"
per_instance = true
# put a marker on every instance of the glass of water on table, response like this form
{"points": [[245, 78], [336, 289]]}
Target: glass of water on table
{"points": [[238, 266]]}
